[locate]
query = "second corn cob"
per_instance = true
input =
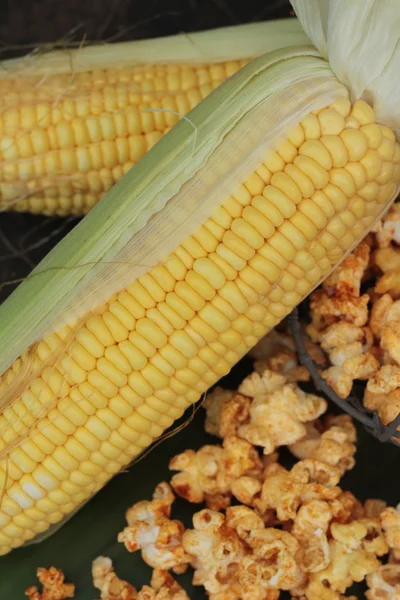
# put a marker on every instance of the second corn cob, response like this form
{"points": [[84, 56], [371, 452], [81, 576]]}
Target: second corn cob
{"points": [[66, 141], [72, 124]]}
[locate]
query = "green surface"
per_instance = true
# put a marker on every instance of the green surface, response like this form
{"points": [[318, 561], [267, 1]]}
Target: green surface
{"points": [[93, 530]]}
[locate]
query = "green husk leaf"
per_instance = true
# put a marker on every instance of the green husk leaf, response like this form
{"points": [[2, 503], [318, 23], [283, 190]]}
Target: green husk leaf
{"points": [[216, 45]]}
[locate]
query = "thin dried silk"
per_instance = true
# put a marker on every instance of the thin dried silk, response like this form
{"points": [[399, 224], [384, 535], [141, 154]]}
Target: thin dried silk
{"points": [[168, 194]]}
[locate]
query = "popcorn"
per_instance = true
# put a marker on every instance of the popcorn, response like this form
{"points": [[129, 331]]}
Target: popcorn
{"points": [[284, 491], [311, 470], [211, 471], [327, 595], [262, 384], [245, 489], [387, 404], [310, 528], [341, 334], [340, 382], [272, 563], [278, 418], [237, 557], [363, 344], [346, 508], [54, 588], [109, 584], [389, 282], [326, 309], [384, 583], [163, 587], [361, 366], [390, 340], [268, 412], [380, 314], [390, 522], [344, 352], [334, 446], [216, 552], [388, 230], [151, 530], [345, 281], [353, 557], [277, 352], [226, 410], [281, 493], [385, 381]]}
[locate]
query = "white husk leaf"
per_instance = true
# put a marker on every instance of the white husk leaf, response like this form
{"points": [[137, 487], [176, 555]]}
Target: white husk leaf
{"points": [[361, 41], [168, 194]]}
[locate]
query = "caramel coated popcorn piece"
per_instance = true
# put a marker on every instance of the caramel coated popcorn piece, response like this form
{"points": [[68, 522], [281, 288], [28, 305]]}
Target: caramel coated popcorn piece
{"points": [[387, 259], [262, 384], [390, 522], [353, 548], [346, 279], [389, 282], [385, 381], [267, 412], [340, 382], [271, 563], [54, 588], [388, 230], [163, 587], [310, 528], [277, 418], [151, 531], [335, 445], [379, 314], [285, 491], [109, 584], [216, 551], [390, 340], [237, 557], [210, 471], [277, 352], [226, 411], [384, 583]]}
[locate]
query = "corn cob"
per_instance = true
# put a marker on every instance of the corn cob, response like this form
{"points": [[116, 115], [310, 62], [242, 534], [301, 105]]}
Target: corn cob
{"points": [[69, 129], [140, 360]]}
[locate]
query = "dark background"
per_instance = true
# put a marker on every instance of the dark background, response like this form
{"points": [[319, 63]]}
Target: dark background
{"points": [[26, 24]]}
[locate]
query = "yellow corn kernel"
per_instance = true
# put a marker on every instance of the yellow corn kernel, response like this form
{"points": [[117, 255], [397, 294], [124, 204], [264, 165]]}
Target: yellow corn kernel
{"points": [[331, 122], [309, 167], [311, 127], [315, 149]]}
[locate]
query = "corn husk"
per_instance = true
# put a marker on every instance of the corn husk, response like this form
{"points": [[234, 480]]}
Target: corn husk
{"points": [[216, 45], [361, 40]]}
